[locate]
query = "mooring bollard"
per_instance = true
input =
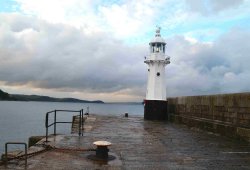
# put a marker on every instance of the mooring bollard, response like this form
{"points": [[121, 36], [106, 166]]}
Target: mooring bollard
{"points": [[102, 149], [101, 152], [126, 114]]}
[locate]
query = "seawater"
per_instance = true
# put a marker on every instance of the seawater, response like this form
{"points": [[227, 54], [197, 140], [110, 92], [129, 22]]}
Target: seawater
{"points": [[20, 120]]}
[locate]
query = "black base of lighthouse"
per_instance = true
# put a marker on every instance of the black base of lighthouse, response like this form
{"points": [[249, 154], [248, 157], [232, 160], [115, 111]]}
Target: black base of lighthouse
{"points": [[155, 110]]}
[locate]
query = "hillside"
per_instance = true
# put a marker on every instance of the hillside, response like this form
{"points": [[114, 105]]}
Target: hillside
{"points": [[21, 97], [5, 96]]}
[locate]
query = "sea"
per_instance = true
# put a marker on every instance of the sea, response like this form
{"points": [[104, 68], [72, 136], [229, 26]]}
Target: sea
{"points": [[20, 120]]}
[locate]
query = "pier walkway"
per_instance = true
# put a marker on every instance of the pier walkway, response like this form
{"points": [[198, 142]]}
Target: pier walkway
{"points": [[140, 144]]}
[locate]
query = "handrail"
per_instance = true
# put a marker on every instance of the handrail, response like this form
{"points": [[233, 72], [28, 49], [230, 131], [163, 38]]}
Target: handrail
{"points": [[15, 143], [47, 125]]}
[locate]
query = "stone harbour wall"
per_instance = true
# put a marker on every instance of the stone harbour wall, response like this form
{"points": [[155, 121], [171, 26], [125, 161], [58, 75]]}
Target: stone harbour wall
{"points": [[226, 114]]}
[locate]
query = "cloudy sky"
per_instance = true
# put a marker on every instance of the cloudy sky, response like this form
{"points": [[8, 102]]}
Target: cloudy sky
{"points": [[94, 49]]}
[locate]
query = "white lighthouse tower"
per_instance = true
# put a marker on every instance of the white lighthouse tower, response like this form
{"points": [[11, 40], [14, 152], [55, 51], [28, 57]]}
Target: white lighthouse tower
{"points": [[155, 104]]}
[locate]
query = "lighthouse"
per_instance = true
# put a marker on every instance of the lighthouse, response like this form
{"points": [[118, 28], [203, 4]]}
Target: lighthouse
{"points": [[155, 104]]}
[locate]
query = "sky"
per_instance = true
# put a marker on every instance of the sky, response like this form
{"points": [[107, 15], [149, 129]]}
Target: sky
{"points": [[94, 49]]}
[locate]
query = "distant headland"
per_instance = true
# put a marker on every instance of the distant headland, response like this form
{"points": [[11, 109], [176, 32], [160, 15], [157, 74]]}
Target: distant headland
{"points": [[20, 97]]}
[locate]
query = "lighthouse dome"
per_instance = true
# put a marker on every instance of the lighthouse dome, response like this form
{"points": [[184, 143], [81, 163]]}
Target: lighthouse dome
{"points": [[157, 38]]}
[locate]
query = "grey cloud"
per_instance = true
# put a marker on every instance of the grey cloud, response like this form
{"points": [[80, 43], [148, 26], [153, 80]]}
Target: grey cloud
{"points": [[221, 67], [58, 56], [212, 6], [225, 4]]}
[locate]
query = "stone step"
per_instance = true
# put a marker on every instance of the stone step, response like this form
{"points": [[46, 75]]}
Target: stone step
{"points": [[75, 123]]}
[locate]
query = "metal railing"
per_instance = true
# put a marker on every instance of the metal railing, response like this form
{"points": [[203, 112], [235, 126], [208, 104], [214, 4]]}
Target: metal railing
{"points": [[47, 125], [15, 143]]}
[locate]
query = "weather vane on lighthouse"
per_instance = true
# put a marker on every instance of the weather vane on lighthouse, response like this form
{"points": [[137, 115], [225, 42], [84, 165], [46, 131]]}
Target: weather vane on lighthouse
{"points": [[155, 104], [158, 30]]}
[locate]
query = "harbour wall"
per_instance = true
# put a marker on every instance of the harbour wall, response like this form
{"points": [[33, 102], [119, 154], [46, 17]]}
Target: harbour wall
{"points": [[225, 114]]}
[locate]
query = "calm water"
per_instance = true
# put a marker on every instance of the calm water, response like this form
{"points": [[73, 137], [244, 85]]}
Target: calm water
{"points": [[20, 120]]}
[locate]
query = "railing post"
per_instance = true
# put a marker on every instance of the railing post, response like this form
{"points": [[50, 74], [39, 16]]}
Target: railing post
{"points": [[26, 154], [82, 123], [55, 123], [46, 125], [15, 143], [80, 119], [6, 153]]}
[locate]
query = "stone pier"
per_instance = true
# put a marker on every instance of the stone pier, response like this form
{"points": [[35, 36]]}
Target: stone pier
{"points": [[139, 144], [225, 114]]}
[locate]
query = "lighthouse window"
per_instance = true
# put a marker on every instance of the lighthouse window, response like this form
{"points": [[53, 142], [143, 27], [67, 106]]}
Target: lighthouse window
{"points": [[158, 74], [153, 48], [148, 69], [158, 48]]}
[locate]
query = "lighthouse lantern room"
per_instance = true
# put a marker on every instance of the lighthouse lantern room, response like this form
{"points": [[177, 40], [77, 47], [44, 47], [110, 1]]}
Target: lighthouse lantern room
{"points": [[155, 104]]}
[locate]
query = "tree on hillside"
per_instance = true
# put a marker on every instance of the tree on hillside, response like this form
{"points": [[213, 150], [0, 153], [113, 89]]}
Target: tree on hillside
{"points": [[4, 95]]}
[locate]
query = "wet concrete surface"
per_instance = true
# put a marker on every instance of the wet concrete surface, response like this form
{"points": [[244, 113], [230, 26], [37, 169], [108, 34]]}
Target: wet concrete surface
{"points": [[140, 144]]}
